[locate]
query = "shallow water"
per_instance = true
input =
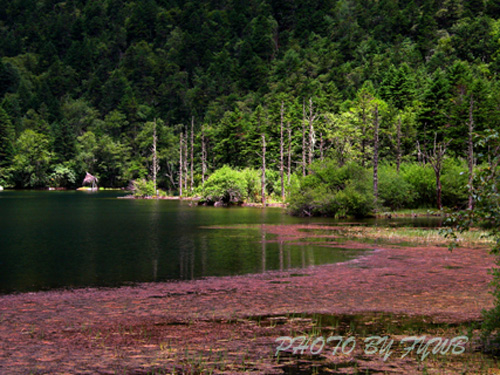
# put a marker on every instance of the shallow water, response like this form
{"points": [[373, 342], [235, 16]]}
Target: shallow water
{"points": [[53, 239]]}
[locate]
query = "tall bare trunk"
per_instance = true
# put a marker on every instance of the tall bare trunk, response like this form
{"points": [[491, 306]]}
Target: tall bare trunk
{"points": [[282, 167], [436, 159], [312, 137], [375, 154], [203, 155], [186, 139], [470, 154], [363, 139], [289, 169], [303, 138], [192, 151], [155, 159], [263, 180], [321, 146], [398, 145], [181, 162]]}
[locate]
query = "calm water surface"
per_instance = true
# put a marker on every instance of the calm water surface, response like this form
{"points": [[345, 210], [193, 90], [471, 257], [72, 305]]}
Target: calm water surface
{"points": [[73, 239]]}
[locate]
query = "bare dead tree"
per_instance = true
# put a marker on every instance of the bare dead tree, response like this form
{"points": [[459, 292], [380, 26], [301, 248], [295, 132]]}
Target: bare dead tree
{"points": [[186, 139], [263, 177], [289, 153], [203, 155], [181, 162], [398, 144], [312, 135], [170, 174], [192, 152], [282, 114], [470, 153], [321, 146], [436, 158], [363, 136], [155, 167], [375, 152], [303, 139]]}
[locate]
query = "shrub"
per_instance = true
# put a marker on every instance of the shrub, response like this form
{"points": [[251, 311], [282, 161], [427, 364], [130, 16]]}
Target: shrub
{"points": [[63, 176], [143, 188], [393, 190], [225, 185], [454, 180], [331, 190], [252, 180], [423, 184]]}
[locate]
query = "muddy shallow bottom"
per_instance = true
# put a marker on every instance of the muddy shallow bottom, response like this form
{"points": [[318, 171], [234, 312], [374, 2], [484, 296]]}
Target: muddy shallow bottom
{"points": [[230, 324]]}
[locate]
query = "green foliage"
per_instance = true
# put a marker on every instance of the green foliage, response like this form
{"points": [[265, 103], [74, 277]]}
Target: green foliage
{"points": [[423, 184], [143, 188], [225, 185], [92, 80], [333, 191], [31, 164], [62, 176], [6, 138], [252, 178], [394, 190], [454, 182]]}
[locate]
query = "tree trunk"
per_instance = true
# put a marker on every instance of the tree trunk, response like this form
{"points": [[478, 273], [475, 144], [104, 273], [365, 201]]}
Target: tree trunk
{"points": [[282, 167], [321, 145], [470, 154], [263, 181], [303, 139], [436, 160], [375, 154], [181, 162], [312, 139], [192, 151], [398, 145], [363, 139], [289, 169], [155, 159], [438, 188], [186, 139], [203, 155]]}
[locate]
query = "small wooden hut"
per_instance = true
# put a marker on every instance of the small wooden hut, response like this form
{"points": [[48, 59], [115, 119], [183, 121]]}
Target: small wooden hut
{"points": [[90, 180]]}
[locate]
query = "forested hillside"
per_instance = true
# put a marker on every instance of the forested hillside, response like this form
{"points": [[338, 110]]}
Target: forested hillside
{"points": [[81, 83]]}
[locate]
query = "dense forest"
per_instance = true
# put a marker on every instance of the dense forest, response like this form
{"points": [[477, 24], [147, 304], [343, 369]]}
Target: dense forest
{"points": [[326, 89]]}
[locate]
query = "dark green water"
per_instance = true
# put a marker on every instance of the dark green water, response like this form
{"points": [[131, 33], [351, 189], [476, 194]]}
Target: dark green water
{"points": [[73, 239]]}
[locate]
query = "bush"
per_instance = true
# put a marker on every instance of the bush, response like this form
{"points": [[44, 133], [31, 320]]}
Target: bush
{"points": [[333, 191], [252, 180], [63, 176], [423, 184], [393, 190], [143, 188], [454, 180], [226, 185]]}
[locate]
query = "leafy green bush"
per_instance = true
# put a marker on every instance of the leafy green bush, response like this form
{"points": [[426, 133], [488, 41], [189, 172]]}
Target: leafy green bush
{"points": [[5, 178], [393, 190], [225, 185], [143, 188], [454, 180], [252, 180], [63, 176], [331, 190], [423, 184]]}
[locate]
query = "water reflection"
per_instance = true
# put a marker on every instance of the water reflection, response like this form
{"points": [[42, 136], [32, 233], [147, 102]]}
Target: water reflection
{"points": [[67, 239]]}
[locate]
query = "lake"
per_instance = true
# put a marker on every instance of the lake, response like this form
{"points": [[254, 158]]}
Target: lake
{"points": [[65, 239], [55, 239]]}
